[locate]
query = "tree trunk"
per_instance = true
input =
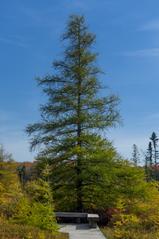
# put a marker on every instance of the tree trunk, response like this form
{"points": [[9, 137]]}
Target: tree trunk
{"points": [[79, 170]]}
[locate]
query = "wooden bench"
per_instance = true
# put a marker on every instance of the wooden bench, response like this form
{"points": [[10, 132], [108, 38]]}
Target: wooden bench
{"points": [[91, 218]]}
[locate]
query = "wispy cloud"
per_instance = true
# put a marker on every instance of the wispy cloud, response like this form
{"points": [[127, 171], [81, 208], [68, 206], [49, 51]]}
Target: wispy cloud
{"points": [[38, 17], [152, 25], [34, 15], [83, 5], [151, 52], [78, 4], [13, 40]]}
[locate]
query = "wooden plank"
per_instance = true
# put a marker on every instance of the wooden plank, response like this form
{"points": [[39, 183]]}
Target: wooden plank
{"points": [[71, 214], [82, 231], [93, 216]]}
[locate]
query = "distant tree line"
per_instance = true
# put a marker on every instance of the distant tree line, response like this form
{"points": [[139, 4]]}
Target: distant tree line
{"points": [[151, 158], [5, 156]]}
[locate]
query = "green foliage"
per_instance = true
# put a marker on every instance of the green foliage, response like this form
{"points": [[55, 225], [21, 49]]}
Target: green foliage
{"points": [[39, 191], [73, 116], [151, 159], [14, 231], [34, 214], [154, 140], [10, 189], [135, 155], [98, 165], [137, 213], [131, 234], [36, 207], [31, 205], [129, 181]]}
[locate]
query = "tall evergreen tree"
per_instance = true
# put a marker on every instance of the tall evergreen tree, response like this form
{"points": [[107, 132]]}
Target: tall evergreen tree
{"points": [[150, 155], [135, 155], [154, 139], [71, 120], [149, 162]]}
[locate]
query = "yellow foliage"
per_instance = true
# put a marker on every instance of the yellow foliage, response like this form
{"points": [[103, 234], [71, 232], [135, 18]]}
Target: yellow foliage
{"points": [[138, 218], [22, 215], [41, 235], [29, 236]]}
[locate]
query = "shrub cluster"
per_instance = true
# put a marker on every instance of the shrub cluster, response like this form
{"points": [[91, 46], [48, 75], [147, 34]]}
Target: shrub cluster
{"points": [[26, 211]]}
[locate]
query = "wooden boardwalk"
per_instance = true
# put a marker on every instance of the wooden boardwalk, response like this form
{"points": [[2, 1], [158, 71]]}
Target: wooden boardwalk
{"points": [[81, 231]]}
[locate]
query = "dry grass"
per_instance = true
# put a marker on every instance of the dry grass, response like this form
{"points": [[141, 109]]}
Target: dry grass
{"points": [[9, 231], [109, 233]]}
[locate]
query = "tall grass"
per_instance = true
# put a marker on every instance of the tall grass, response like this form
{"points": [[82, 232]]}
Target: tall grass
{"points": [[11, 231], [132, 234]]}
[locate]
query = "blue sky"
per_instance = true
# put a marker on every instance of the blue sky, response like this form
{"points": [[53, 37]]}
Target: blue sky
{"points": [[128, 45]]}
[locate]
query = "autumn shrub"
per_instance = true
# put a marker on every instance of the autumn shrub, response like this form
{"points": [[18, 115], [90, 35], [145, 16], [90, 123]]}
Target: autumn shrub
{"points": [[131, 234], [134, 213], [14, 231], [138, 217], [34, 214], [39, 191], [10, 188], [29, 205]]}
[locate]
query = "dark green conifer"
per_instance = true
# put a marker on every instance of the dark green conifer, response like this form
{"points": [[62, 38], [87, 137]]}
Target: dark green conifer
{"points": [[135, 155], [75, 114], [154, 139]]}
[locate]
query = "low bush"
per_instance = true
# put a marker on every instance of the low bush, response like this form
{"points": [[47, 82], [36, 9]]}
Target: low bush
{"points": [[14, 231], [136, 218], [26, 211], [131, 234], [34, 214]]}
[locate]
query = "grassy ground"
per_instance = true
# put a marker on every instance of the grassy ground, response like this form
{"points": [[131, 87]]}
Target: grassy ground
{"points": [[9, 231], [109, 233]]}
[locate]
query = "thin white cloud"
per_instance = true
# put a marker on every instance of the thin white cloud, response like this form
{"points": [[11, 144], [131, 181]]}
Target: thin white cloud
{"points": [[36, 17], [84, 5], [13, 41], [77, 4], [152, 25], [151, 52]]}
